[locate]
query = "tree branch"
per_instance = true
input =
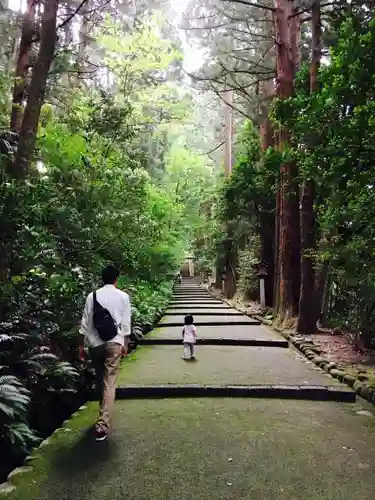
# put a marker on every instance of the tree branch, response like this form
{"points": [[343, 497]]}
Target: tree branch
{"points": [[227, 103], [252, 4], [212, 150], [75, 12], [307, 9]]}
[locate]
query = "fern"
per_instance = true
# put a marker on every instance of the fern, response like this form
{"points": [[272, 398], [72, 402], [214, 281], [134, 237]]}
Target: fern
{"points": [[43, 357], [63, 369], [4, 337], [21, 436], [14, 397]]}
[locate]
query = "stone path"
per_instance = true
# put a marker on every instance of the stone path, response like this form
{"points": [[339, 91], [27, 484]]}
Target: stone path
{"points": [[239, 423]]}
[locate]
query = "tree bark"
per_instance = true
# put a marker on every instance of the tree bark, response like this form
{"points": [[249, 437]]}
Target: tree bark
{"points": [[267, 218], [321, 285], [307, 310], [230, 266], [37, 89], [277, 266], [218, 274], [289, 206], [23, 65], [267, 241]]}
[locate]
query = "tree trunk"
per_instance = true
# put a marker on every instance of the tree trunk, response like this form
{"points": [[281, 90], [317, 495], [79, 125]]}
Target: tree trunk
{"points": [[230, 266], [218, 277], [22, 66], [267, 235], [307, 310], [276, 283], [321, 290], [37, 89], [267, 219], [289, 219]]}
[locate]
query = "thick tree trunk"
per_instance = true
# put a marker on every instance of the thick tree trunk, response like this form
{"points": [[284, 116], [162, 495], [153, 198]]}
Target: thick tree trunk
{"points": [[277, 266], [307, 310], [267, 219], [218, 277], [289, 217], [23, 65], [37, 89], [267, 234]]}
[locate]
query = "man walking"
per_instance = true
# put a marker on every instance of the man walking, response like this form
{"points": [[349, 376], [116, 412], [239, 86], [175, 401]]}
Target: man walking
{"points": [[105, 326]]}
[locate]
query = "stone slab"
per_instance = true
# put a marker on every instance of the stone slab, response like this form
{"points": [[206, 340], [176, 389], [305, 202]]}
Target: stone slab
{"points": [[209, 319], [218, 306], [235, 449], [219, 331], [219, 341], [225, 311], [222, 366]]}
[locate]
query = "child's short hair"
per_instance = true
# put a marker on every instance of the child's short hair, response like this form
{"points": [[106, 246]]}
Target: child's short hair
{"points": [[189, 320]]}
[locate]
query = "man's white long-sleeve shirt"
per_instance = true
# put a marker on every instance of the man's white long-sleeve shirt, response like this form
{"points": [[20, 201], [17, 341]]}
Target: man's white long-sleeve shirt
{"points": [[118, 304]]}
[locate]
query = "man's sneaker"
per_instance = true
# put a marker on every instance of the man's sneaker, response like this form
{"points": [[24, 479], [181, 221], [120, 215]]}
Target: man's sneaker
{"points": [[101, 433]]}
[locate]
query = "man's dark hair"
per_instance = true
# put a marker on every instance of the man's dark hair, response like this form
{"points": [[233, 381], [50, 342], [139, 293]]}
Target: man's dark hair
{"points": [[110, 274], [189, 320]]}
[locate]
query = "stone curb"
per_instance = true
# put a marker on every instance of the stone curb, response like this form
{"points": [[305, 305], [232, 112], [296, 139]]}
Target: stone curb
{"points": [[10, 485], [304, 392], [312, 352], [219, 341]]}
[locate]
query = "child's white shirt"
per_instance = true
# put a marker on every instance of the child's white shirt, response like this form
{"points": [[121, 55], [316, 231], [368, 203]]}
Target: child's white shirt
{"points": [[189, 334]]}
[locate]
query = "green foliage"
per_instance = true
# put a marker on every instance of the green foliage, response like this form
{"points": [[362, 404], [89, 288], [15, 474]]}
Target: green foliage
{"points": [[14, 404], [333, 134], [96, 195], [248, 258], [251, 187], [245, 199]]}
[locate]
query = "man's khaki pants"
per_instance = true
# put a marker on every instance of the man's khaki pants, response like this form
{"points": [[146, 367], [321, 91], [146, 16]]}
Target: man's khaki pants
{"points": [[106, 360]]}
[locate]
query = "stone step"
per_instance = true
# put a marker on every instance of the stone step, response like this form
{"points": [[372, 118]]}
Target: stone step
{"points": [[219, 341], [217, 332], [219, 306], [222, 366], [195, 301], [209, 320], [314, 393], [205, 311]]}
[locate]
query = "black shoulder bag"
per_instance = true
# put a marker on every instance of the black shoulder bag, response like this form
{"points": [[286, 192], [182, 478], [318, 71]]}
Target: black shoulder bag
{"points": [[103, 322]]}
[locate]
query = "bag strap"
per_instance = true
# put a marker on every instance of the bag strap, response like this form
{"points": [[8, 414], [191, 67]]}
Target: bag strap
{"points": [[96, 303]]}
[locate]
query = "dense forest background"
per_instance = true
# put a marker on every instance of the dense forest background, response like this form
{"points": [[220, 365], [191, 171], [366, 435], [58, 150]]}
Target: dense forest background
{"points": [[301, 80], [102, 160], [134, 131]]}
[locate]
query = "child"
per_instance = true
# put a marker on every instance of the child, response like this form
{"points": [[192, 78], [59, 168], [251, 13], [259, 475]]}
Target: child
{"points": [[189, 334]]}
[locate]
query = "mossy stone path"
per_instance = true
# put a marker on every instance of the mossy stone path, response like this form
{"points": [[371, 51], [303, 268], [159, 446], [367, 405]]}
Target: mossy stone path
{"points": [[211, 448]]}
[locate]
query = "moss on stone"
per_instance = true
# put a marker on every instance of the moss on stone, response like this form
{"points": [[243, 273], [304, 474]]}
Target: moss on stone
{"points": [[335, 373], [328, 367], [365, 392], [357, 386], [349, 379], [318, 360]]}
